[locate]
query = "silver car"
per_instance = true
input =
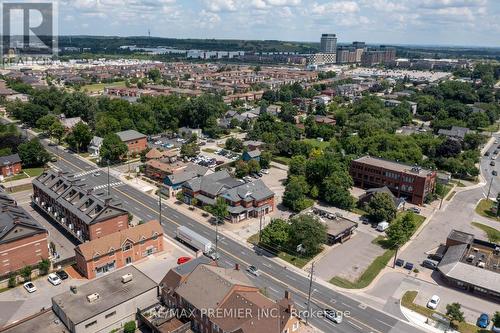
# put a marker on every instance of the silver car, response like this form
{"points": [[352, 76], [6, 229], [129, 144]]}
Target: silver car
{"points": [[335, 316]]}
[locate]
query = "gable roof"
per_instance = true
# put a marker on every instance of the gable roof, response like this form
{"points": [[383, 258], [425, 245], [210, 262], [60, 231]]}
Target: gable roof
{"points": [[116, 240], [12, 216], [129, 135], [11, 159]]}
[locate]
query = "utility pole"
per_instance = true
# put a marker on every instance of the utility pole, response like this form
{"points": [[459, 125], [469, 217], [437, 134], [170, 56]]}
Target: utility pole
{"points": [[395, 256], [309, 294], [159, 205], [260, 228], [216, 238], [489, 189], [109, 190]]}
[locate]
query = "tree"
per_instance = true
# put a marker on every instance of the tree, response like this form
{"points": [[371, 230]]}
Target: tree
{"points": [[190, 149], [112, 148], [234, 144], [253, 166], [26, 272], [454, 313], [154, 74], [45, 122], [381, 208], [57, 131], [276, 234], [219, 210], [336, 194], [308, 231], [496, 319], [44, 266], [297, 165], [81, 105], [241, 169], [401, 230], [79, 137], [265, 159], [33, 153], [295, 194], [129, 327]]}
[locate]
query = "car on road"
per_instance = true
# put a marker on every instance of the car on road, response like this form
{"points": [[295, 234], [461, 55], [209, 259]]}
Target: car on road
{"points": [[435, 256], [492, 163], [483, 321], [429, 264], [97, 174], [416, 210], [494, 173], [54, 279], [253, 270], [487, 153], [30, 287], [62, 274], [433, 302], [183, 260], [53, 158], [335, 316]]}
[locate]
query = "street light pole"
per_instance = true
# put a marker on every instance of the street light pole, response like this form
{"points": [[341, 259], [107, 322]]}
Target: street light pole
{"points": [[489, 188], [216, 238], [159, 206], [109, 190], [395, 256], [260, 228], [309, 294]]}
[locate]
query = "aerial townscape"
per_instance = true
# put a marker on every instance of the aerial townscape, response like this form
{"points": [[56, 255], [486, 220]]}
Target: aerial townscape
{"points": [[251, 183]]}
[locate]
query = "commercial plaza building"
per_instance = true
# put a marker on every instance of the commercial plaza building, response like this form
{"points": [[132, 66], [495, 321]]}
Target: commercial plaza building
{"points": [[84, 213], [409, 182]]}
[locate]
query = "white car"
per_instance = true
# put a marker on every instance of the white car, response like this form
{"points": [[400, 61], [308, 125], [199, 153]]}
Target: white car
{"points": [[30, 287], [335, 316], [253, 270], [54, 279], [433, 302], [265, 171]]}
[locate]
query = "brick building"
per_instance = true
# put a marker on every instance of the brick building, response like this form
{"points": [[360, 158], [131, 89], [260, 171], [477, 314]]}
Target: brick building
{"points": [[198, 286], [119, 249], [84, 213], [409, 182], [23, 241], [244, 199], [135, 141], [10, 165]]}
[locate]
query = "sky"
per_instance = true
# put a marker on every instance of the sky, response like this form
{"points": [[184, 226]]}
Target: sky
{"points": [[423, 22]]}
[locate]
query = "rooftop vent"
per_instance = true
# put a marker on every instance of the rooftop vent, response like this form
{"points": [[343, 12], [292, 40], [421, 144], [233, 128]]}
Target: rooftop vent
{"points": [[127, 278], [93, 297]]}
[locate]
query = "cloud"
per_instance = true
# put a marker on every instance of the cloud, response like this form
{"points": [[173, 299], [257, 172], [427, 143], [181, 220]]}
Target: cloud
{"points": [[338, 7], [221, 5]]}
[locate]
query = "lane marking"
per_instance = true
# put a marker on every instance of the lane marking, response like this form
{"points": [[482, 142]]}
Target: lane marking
{"points": [[353, 324]]}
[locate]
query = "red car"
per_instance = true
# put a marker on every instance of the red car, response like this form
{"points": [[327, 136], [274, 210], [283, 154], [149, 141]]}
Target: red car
{"points": [[183, 260]]}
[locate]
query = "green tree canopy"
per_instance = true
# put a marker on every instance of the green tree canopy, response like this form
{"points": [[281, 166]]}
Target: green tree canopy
{"points": [[112, 149]]}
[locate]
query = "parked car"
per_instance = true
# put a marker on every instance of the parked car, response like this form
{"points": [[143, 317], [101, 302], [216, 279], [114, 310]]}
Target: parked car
{"points": [[253, 270], [416, 210], [335, 316], [400, 262], [62, 274], [364, 219], [409, 266], [487, 153], [265, 171], [492, 163], [433, 302], [30, 287], [435, 256], [54, 279], [429, 264], [483, 321], [494, 173], [382, 226], [183, 260]]}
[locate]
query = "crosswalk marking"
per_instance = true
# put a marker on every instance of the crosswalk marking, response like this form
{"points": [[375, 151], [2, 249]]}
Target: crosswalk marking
{"points": [[86, 172], [103, 186]]}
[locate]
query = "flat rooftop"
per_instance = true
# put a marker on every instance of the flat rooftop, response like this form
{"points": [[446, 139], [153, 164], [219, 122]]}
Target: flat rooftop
{"points": [[477, 254], [394, 166], [42, 322], [111, 290]]}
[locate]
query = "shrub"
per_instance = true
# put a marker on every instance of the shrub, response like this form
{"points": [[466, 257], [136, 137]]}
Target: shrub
{"points": [[26, 273], [129, 327], [44, 266], [12, 281]]}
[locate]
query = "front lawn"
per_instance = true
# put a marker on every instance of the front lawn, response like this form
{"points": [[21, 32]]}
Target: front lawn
{"points": [[281, 159], [493, 234], [34, 172], [483, 208], [16, 177]]}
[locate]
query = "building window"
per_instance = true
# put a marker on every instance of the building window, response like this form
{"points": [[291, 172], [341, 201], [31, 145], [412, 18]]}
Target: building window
{"points": [[127, 247], [128, 260], [91, 324], [110, 314]]}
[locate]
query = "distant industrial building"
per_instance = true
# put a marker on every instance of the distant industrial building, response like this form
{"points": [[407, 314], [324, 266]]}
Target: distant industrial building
{"points": [[412, 183]]}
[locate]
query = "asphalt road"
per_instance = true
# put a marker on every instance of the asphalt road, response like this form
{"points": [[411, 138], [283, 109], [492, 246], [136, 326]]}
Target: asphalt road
{"points": [[275, 279]]}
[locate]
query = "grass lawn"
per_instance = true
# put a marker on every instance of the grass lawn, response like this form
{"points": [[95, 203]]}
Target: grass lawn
{"points": [[291, 259], [368, 275], [408, 300], [93, 88], [209, 150], [281, 159], [317, 144], [34, 172], [359, 211], [493, 234], [16, 177], [447, 189], [483, 208]]}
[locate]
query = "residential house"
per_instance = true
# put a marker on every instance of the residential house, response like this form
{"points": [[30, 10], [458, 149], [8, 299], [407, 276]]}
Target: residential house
{"points": [[69, 123], [94, 147], [253, 145], [23, 241], [399, 203], [326, 120], [189, 132], [83, 212], [228, 291], [136, 142], [158, 154], [245, 200], [175, 181], [251, 155], [456, 132], [10, 165], [116, 250]]}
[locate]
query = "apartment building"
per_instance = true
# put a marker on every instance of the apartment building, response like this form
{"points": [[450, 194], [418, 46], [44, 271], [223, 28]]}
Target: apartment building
{"points": [[83, 212], [23, 241], [135, 141], [205, 287], [119, 249], [409, 182], [244, 199]]}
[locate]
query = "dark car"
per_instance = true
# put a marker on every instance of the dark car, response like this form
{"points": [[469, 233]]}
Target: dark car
{"points": [[483, 321], [409, 266], [436, 257], [487, 153], [492, 163], [494, 173], [400, 262], [62, 275], [429, 264]]}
